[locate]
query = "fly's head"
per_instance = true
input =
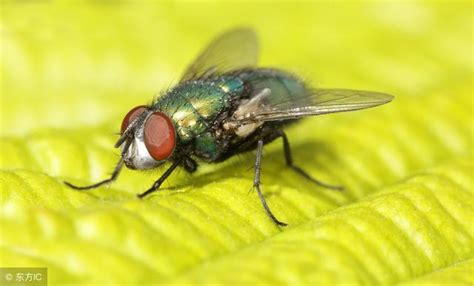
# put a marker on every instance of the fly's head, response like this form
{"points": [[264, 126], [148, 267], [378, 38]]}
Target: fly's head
{"points": [[148, 138]]}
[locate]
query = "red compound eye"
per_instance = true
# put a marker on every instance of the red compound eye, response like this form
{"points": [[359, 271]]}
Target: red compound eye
{"points": [[160, 136], [131, 115]]}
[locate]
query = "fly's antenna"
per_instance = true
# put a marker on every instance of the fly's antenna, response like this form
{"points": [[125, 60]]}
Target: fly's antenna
{"points": [[122, 139], [126, 146]]}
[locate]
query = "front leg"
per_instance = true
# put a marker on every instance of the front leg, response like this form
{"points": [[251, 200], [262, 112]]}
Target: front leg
{"points": [[112, 178], [189, 164], [160, 181]]}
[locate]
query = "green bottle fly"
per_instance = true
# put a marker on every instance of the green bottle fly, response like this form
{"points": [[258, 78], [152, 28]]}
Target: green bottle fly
{"points": [[225, 105]]}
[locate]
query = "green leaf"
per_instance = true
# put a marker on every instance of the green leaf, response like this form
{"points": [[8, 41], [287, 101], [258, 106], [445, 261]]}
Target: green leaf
{"points": [[71, 71]]}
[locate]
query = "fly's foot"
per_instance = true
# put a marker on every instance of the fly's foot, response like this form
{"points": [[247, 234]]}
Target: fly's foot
{"points": [[265, 205], [160, 181], [144, 194], [153, 188]]}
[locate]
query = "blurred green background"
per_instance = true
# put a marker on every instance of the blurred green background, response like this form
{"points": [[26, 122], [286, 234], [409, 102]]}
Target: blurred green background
{"points": [[71, 70]]}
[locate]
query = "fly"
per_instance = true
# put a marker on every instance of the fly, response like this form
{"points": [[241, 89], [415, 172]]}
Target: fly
{"points": [[225, 105]]}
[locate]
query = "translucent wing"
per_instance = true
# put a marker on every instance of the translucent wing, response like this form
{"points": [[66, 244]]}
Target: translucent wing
{"points": [[315, 102], [232, 50]]}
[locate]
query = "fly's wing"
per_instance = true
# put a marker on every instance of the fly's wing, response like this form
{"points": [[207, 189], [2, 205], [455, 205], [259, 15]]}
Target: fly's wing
{"points": [[232, 50], [315, 102]]}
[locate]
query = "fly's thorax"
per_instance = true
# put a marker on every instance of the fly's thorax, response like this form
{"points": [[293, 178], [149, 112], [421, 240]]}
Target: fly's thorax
{"points": [[193, 106], [207, 147]]}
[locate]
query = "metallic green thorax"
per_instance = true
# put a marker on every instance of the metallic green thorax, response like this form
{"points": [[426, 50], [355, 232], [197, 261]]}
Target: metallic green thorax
{"points": [[196, 106], [193, 107]]}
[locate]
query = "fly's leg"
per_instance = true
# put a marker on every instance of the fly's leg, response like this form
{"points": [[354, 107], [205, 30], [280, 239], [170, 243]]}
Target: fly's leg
{"points": [[160, 181], [256, 184], [289, 162], [112, 178]]}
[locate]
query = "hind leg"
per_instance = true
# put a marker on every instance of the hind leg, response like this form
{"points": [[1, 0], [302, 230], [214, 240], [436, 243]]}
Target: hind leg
{"points": [[289, 163]]}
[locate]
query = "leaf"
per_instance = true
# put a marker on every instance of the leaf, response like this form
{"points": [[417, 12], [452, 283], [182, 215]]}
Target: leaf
{"points": [[405, 218]]}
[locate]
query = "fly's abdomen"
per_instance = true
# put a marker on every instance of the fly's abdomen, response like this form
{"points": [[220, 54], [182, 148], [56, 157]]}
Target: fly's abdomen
{"points": [[284, 86], [266, 89]]}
